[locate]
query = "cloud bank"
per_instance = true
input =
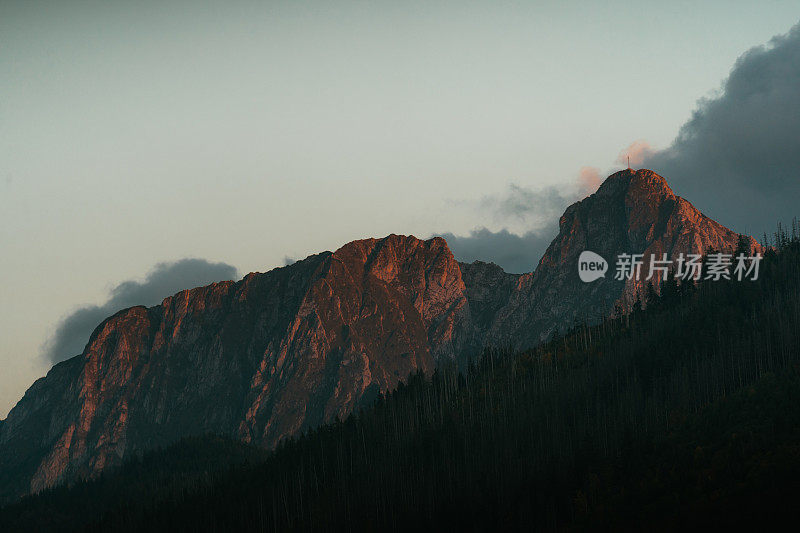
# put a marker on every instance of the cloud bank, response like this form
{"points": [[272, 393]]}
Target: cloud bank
{"points": [[165, 279], [738, 158], [515, 253]]}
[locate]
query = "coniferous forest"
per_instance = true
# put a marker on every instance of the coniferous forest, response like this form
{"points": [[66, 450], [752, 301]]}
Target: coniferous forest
{"points": [[684, 412]]}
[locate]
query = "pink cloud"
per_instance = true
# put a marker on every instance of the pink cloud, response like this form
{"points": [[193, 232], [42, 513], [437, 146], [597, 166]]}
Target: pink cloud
{"points": [[638, 152], [589, 180]]}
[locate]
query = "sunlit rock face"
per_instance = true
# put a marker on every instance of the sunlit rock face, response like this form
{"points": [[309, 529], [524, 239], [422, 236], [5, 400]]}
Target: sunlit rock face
{"points": [[633, 212], [259, 359], [279, 352]]}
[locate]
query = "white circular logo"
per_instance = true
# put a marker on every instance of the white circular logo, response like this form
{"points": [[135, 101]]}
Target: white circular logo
{"points": [[591, 266]]}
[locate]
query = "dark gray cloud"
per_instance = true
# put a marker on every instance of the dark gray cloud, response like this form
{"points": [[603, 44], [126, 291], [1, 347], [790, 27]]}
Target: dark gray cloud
{"points": [[738, 158], [515, 253], [165, 279]]}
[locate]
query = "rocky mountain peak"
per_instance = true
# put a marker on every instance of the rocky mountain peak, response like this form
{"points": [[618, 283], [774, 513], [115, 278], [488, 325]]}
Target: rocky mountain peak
{"points": [[640, 188], [632, 212]]}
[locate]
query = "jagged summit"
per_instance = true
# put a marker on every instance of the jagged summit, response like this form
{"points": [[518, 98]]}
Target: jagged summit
{"points": [[642, 181], [633, 212]]}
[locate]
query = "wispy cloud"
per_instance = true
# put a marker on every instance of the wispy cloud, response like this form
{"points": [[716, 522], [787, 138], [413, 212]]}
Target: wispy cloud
{"points": [[528, 220], [524, 204], [589, 179]]}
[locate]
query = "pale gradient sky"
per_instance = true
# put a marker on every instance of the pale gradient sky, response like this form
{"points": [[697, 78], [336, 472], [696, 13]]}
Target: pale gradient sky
{"points": [[138, 132]]}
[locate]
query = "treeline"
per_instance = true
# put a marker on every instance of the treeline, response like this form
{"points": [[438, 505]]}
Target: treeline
{"points": [[678, 414]]}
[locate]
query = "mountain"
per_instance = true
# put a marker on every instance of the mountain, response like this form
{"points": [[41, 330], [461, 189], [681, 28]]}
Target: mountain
{"points": [[259, 359], [633, 212], [681, 415], [280, 352]]}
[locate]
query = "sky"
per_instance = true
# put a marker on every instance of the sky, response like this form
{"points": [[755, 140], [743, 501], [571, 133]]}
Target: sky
{"points": [[151, 146]]}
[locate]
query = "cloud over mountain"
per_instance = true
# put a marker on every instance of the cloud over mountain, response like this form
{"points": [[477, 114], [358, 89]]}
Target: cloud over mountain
{"points": [[529, 220], [738, 157], [163, 280], [515, 253]]}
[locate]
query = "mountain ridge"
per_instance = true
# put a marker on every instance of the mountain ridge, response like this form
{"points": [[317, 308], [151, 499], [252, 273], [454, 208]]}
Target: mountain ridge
{"points": [[282, 351]]}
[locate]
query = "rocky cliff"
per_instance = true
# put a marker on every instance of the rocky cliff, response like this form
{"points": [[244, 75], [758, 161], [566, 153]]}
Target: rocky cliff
{"points": [[260, 359], [282, 351], [633, 212]]}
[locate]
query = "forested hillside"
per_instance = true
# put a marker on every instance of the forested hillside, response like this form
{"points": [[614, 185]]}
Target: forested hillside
{"points": [[680, 414]]}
